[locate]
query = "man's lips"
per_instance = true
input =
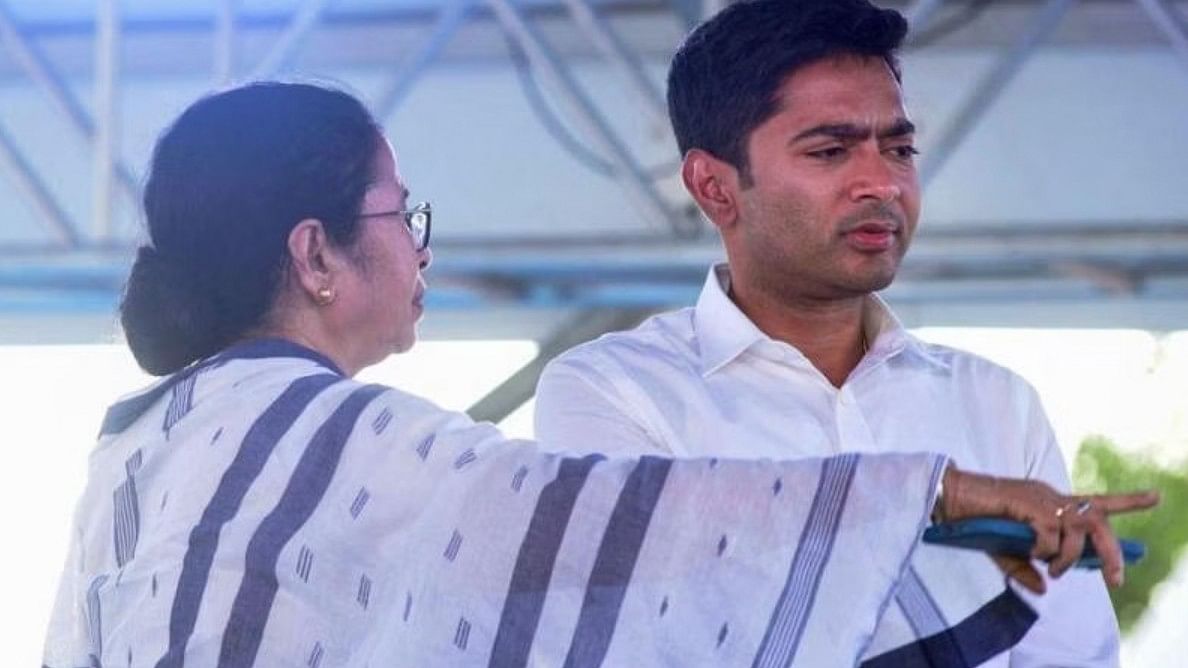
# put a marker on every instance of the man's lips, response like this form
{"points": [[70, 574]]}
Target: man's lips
{"points": [[873, 225], [872, 236]]}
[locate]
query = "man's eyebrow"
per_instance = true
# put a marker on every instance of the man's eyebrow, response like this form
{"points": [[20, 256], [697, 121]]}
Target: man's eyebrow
{"points": [[842, 131], [899, 128], [853, 132]]}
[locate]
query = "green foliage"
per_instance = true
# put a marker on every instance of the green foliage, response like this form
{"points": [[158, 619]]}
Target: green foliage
{"points": [[1100, 467]]}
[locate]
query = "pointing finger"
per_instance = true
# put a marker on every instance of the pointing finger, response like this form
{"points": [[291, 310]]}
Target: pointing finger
{"points": [[1121, 503]]}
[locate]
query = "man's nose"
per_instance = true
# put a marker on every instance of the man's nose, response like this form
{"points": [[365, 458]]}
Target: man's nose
{"points": [[875, 179], [425, 258], [883, 192]]}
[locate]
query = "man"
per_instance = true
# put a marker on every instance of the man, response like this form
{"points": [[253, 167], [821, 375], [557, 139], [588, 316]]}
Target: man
{"points": [[798, 149]]}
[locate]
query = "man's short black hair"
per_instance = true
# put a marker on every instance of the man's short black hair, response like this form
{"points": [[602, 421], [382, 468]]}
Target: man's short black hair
{"points": [[723, 80]]}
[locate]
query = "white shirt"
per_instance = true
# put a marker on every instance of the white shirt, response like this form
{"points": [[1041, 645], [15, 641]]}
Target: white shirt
{"points": [[706, 381], [259, 509]]}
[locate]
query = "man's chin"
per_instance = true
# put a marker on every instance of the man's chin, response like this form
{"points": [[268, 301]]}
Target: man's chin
{"points": [[866, 278], [880, 283]]}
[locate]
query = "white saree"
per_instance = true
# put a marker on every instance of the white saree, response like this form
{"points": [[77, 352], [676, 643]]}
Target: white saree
{"points": [[259, 509]]}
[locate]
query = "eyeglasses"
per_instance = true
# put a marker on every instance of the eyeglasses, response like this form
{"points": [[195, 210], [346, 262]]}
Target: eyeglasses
{"points": [[417, 219]]}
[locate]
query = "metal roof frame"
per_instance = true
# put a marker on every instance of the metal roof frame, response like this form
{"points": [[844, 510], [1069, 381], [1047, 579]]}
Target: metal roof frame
{"points": [[608, 281]]}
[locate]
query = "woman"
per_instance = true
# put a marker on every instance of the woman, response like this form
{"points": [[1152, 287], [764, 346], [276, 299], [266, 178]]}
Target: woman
{"points": [[259, 507]]}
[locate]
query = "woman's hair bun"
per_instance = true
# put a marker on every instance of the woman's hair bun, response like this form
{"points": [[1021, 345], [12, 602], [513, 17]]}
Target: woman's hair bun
{"points": [[167, 323]]}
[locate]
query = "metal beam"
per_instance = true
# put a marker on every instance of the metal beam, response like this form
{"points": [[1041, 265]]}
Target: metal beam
{"points": [[1119, 237], [521, 385], [107, 46], [919, 14], [614, 49], [1113, 281], [224, 42], [632, 177], [690, 12], [954, 269], [1170, 23], [711, 7], [42, 73], [26, 179], [991, 86], [285, 48], [450, 17]]}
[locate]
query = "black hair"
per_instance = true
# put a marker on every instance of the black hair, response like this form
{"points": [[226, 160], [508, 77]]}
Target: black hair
{"points": [[724, 78], [228, 182]]}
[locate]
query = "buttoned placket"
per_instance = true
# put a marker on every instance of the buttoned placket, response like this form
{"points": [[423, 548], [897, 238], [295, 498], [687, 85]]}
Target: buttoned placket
{"points": [[852, 433]]}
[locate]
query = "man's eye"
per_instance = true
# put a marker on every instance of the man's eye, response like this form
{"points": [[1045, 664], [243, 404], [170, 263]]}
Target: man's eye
{"points": [[905, 152], [828, 153]]}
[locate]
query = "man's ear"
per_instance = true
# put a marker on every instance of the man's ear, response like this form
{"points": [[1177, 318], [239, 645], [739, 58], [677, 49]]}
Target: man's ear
{"points": [[714, 185], [312, 260]]}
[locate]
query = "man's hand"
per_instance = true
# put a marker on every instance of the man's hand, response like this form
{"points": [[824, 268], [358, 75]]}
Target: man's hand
{"points": [[1061, 522]]}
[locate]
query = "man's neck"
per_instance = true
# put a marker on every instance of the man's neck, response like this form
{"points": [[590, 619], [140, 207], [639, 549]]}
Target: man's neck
{"points": [[827, 332]]}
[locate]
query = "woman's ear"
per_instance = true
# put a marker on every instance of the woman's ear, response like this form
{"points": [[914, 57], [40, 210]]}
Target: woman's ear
{"points": [[312, 259], [713, 183]]}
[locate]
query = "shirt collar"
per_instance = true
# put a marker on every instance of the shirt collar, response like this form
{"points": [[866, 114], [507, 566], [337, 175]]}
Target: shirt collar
{"points": [[887, 336], [724, 332]]}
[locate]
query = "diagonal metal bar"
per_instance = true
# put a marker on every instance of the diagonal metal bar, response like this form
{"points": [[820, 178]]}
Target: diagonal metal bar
{"points": [[1171, 23], [988, 89], [690, 12], [920, 14], [107, 45], [285, 48], [42, 73], [27, 180], [632, 177], [449, 19], [614, 49], [521, 385], [711, 7], [224, 42]]}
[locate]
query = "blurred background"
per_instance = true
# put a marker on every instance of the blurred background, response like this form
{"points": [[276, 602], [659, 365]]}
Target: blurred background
{"points": [[1054, 237]]}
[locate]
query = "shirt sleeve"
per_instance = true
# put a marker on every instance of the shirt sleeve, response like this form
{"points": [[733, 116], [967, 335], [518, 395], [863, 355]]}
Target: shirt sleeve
{"points": [[579, 410], [1077, 625]]}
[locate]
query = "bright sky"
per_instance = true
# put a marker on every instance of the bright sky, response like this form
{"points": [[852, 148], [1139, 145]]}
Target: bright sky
{"points": [[1129, 385]]}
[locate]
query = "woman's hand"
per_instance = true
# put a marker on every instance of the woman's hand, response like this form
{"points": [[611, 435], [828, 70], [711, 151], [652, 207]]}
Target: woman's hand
{"points": [[1061, 522]]}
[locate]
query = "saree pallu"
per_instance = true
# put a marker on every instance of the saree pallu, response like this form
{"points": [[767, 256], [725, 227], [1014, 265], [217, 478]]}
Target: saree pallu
{"points": [[260, 509]]}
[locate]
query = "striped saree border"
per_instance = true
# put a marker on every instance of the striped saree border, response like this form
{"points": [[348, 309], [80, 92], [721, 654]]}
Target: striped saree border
{"points": [[787, 623]]}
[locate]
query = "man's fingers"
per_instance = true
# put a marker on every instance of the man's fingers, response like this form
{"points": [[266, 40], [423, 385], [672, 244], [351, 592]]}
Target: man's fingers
{"points": [[1047, 540], [1108, 551], [1022, 571], [1121, 503], [1072, 544]]}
